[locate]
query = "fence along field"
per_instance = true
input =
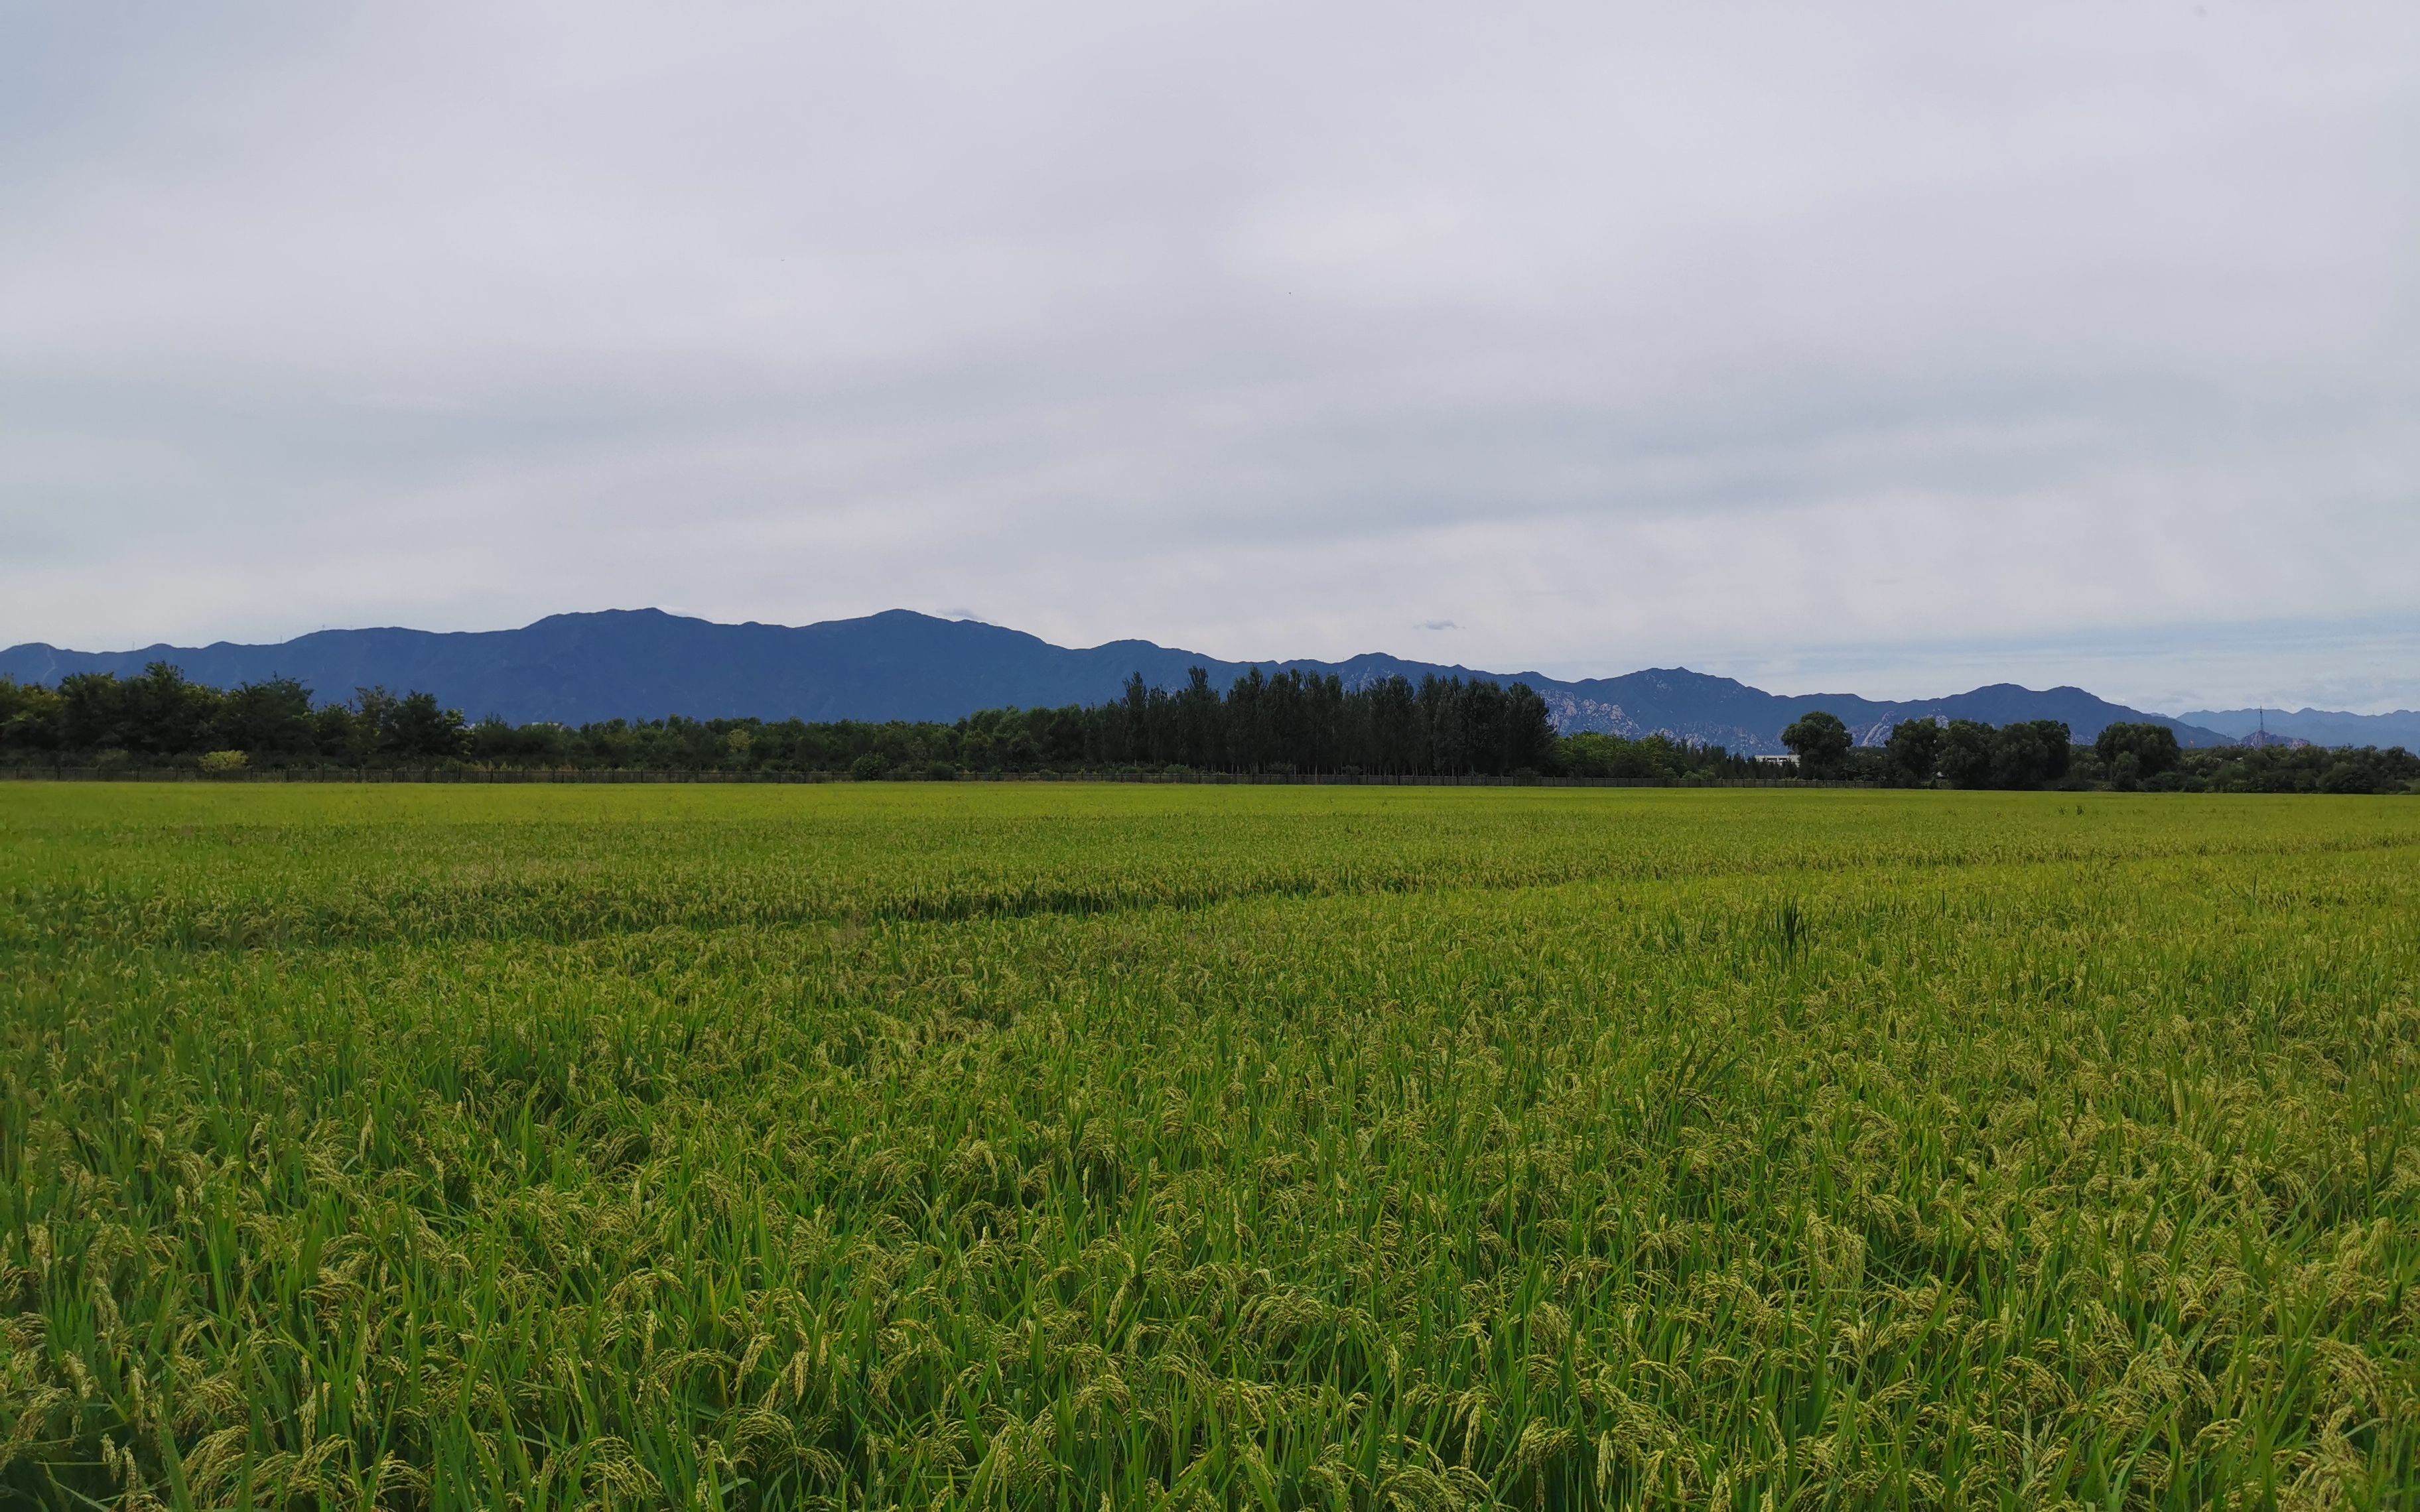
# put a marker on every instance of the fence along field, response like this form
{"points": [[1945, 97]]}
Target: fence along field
{"points": [[1062, 1146]]}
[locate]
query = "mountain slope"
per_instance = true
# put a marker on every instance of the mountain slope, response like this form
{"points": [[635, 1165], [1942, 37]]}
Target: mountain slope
{"points": [[2321, 727], [899, 665]]}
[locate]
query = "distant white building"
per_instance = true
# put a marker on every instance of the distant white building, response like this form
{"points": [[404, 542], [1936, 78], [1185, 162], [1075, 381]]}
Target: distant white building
{"points": [[1785, 758]]}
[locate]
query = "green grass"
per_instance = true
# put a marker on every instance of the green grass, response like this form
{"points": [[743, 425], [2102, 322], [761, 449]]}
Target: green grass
{"points": [[1278, 1146]]}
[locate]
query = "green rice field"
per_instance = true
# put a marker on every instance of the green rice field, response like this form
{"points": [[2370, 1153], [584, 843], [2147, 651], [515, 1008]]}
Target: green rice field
{"points": [[1082, 1147]]}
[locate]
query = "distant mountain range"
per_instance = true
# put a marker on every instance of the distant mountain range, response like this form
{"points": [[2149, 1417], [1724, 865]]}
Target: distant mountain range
{"points": [[645, 664], [2321, 727]]}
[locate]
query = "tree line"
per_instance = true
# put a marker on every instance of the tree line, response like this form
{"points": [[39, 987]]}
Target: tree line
{"points": [[2123, 757], [164, 717], [1292, 723], [1965, 753]]}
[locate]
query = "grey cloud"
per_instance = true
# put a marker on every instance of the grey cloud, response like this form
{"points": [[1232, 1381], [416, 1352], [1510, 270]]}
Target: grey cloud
{"points": [[1892, 341]]}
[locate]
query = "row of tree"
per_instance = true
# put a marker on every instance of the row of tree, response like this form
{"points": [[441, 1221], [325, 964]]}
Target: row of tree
{"points": [[1290, 723], [1299, 722], [163, 716], [2127, 757], [1966, 753]]}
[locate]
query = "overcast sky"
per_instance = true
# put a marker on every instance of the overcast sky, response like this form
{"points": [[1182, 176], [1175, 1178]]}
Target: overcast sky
{"points": [[1887, 348]]}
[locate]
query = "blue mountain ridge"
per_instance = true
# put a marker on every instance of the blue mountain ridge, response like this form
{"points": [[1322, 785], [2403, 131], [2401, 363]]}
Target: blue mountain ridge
{"points": [[642, 664], [2321, 727]]}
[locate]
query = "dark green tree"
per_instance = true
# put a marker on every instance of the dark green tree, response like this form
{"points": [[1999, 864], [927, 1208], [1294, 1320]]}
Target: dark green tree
{"points": [[1529, 731], [92, 712], [271, 719], [1821, 741], [368, 733], [1200, 727], [1134, 724], [1965, 756], [2029, 753], [1913, 750], [1393, 728], [30, 714], [2153, 746], [416, 728], [168, 714]]}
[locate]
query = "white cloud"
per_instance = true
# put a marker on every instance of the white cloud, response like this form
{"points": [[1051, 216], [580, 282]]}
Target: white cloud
{"points": [[1892, 341]]}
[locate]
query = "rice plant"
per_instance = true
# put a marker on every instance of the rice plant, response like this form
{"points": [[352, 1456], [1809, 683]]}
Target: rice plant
{"points": [[1272, 1147]]}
